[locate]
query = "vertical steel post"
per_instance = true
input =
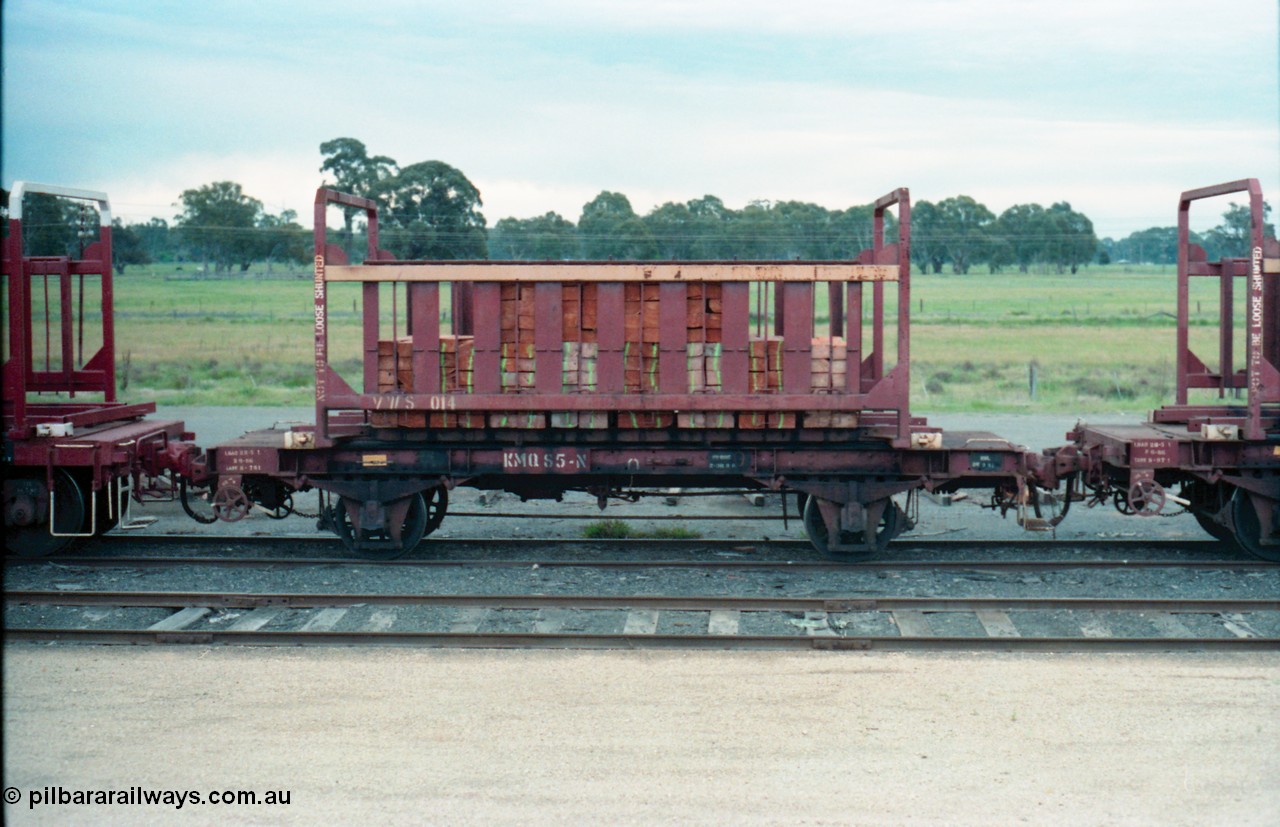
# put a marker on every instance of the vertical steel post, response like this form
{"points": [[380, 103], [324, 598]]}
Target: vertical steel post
{"points": [[673, 333], [611, 337], [1226, 329], [797, 336], [1184, 298], [548, 337], [1254, 319], [108, 362], [487, 296], [16, 368], [424, 310], [853, 340], [370, 315], [736, 327]]}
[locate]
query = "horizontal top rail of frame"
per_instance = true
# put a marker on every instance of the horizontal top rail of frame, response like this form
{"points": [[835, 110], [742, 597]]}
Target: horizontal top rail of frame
{"points": [[1239, 267], [328, 196], [1249, 185], [21, 188], [637, 271]]}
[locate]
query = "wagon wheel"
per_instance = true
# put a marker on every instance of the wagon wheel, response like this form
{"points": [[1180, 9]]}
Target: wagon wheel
{"points": [[1214, 529], [1146, 498], [816, 528], [284, 509], [377, 544], [231, 504], [1244, 514], [1207, 500], [437, 504], [26, 524]]}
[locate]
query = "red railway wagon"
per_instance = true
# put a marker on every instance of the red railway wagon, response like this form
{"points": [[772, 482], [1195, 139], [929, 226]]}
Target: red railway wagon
{"points": [[612, 377], [1223, 453], [75, 458]]}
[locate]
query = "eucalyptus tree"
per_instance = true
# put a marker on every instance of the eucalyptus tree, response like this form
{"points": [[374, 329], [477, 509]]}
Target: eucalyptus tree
{"points": [[218, 222], [1020, 236], [963, 226], [927, 248], [432, 210], [1072, 241], [356, 172], [610, 228], [548, 237]]}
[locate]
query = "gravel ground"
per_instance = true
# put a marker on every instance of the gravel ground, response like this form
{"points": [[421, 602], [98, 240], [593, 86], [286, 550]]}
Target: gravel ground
{"points": [[457, 737], [424, 736]]}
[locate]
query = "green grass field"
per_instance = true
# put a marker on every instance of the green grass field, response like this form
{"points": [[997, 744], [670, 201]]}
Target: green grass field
{"points": [[1101, 340]]}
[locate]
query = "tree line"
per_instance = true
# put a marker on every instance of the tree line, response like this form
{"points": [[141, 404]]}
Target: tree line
{"points": [[431, 210], [1159, 245]]}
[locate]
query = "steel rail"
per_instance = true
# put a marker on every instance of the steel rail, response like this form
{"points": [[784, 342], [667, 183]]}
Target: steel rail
{"points": [[797, 543], [482, 640], [251, 600], [692, 518], [197, 604], [637, 565]]}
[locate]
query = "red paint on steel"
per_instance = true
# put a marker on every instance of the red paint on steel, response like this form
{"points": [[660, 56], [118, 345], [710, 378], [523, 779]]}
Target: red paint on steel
{"points": [[673, 374], [74, 374], [853, 340], [487, 298], [898, 390], [534, 381], [102, 441], [329, 389], [424, 304], [736, 303], [1261, 373], [548, 338], [610, 370], [797, 336]]}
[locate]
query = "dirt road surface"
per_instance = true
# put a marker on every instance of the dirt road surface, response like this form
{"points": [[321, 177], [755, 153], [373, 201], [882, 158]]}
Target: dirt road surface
{"points": [[480, 737]]}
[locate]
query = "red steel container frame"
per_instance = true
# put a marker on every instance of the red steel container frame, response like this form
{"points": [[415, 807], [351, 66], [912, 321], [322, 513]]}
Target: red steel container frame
{"points": [[476, 286], [1261, 375]]}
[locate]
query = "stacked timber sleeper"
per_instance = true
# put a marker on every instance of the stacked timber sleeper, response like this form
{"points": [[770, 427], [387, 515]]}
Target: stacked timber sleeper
{"points": [[704, 322]]}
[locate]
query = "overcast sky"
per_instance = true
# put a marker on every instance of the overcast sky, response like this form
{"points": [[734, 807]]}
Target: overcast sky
{"points": [[1114, 106]]}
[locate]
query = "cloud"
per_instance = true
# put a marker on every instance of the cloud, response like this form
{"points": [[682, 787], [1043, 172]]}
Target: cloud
{"points": [[1114, 107], [279, 181]]}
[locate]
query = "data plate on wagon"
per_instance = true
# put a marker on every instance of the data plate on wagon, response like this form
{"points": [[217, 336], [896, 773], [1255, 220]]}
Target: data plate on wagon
{"points": [[1153, 453]]}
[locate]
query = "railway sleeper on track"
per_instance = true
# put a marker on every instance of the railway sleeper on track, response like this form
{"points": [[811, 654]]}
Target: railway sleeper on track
{"points": [[1054, 624]]}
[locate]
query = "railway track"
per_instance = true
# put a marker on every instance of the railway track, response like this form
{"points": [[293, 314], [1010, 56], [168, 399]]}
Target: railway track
{"points": [[635, 565], [940, 555], [659, 622]]}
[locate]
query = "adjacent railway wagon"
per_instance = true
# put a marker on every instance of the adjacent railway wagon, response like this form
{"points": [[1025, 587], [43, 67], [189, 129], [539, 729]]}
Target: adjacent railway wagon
{"points": [[616, 378], [1221, 450], [75, 458]]}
